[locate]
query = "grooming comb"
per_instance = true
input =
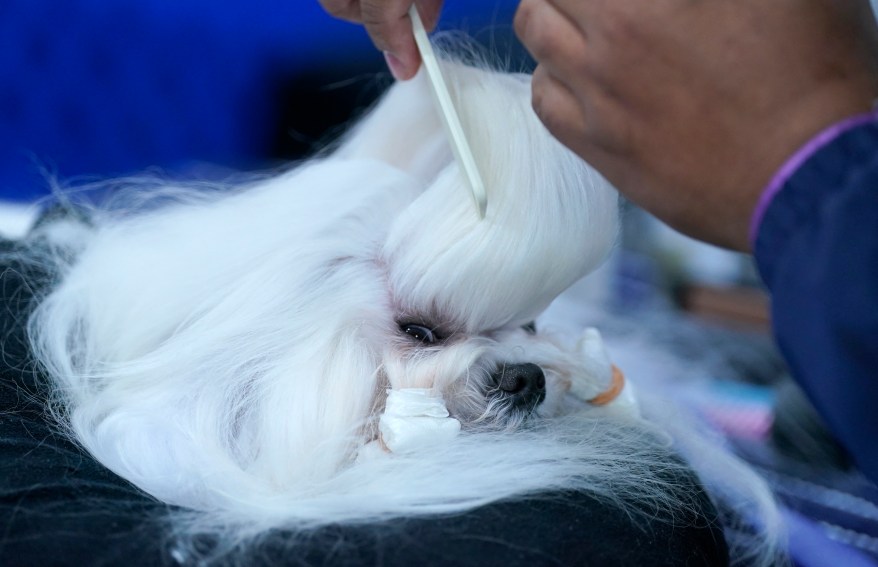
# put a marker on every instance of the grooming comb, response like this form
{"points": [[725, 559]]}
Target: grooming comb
{"points": [[457, 138]]}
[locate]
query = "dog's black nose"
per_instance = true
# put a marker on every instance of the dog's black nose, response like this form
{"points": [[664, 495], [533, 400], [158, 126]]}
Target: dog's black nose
{"points": [[524, 383]]}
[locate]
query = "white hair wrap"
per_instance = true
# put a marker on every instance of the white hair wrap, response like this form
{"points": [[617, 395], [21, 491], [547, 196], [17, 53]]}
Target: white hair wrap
{"points": [[598, 376], [412, 418]]}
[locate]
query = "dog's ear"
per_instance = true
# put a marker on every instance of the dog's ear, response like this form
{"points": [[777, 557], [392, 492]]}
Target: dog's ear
{"points": [[404, 130]]}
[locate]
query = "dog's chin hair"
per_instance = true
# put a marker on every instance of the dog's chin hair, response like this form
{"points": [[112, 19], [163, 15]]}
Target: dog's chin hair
{"points": [[230, 353], [489, 409], [498, 415]]}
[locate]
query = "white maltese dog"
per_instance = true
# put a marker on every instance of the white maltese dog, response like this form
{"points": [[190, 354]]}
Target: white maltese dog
{"points": [[349, 341]]}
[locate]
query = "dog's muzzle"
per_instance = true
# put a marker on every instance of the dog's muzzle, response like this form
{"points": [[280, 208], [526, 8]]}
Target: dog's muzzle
{"points": [[523, 385]]}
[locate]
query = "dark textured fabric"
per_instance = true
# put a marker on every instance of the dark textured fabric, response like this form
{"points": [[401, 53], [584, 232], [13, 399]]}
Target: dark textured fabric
{"points": [[817, 250], [58, 506]]}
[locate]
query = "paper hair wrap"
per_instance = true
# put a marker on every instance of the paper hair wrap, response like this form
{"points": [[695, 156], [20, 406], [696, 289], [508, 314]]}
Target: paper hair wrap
{"points": [[413, 418], [603, 383]]}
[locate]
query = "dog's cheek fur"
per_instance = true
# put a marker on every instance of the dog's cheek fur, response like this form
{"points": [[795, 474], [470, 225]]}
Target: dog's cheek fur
{"points": [[455, 367]]}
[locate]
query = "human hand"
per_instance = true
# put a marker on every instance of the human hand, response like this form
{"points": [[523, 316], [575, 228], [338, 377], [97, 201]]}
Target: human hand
{"points": [[689, 108], [390, 27]]}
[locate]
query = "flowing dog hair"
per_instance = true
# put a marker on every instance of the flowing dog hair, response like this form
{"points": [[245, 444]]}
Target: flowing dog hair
{"points": [[229, 350]]}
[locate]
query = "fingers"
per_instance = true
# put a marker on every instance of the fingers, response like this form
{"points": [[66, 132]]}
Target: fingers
{"points": [[562, 89], [553, 39], [559, 109], [429, 11], [390, 28], [570, 94]]}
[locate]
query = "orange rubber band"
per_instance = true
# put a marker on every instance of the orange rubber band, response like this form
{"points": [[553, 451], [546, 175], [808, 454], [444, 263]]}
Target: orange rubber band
{"points": [[612, 392]]}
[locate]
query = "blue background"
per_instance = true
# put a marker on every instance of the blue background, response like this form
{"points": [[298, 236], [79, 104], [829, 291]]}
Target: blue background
{"points": [[100, 88]]}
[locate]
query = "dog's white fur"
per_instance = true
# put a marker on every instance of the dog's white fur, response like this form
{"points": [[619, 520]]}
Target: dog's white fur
{"points": [[230, 352]]}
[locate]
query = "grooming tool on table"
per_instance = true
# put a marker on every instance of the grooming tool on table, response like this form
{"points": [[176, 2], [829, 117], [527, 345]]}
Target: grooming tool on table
{"points": [[459, 144]]}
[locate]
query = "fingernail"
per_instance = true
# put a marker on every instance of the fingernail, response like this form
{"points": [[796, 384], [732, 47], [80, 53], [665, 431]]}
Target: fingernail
{"points": [[397, 69]]}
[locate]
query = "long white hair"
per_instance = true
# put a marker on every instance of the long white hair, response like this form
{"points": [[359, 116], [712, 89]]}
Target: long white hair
{"points": [[228, 351]]}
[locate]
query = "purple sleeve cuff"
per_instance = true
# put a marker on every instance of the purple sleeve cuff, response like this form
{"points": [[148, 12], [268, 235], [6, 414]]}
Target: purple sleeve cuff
{"points": [[795, 162]]}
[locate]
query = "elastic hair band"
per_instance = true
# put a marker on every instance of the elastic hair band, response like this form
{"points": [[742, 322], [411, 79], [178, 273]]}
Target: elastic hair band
{"points": [[612, 392]]}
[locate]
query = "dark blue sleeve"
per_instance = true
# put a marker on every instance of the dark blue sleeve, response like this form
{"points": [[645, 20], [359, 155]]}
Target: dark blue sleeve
{"points": [[817, 251]]}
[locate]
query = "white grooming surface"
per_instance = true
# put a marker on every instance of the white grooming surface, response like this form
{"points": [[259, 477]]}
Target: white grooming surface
{"points": [[16, 219]]}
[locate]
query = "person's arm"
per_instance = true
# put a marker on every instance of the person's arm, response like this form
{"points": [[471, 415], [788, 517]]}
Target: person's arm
{"points": [[690, 108], [815, 239], [687, 107], [390, 28]]}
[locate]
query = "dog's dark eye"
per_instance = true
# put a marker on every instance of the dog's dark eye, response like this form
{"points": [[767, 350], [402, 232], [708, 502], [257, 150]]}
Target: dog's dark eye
{"points": [[530, 327], [418, 332]]}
